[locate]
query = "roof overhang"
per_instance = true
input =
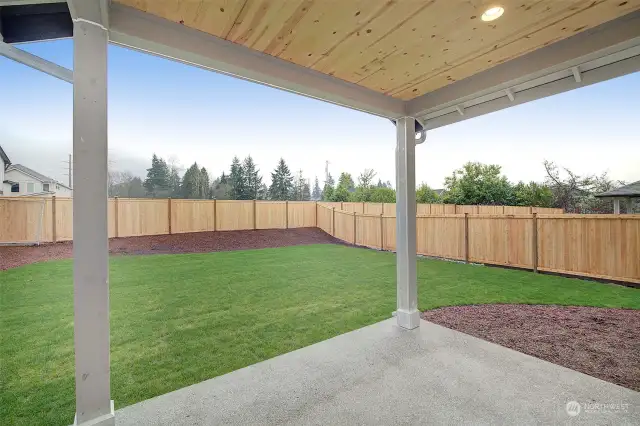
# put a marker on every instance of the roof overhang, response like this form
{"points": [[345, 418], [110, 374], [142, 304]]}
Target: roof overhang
{"points": [[603, 52]]}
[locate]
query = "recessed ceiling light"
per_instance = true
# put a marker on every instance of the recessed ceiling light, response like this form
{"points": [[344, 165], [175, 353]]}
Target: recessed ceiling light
{"points": [[492, 13]]}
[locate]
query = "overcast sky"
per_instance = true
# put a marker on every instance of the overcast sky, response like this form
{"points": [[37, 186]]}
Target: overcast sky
{"points": [[172, 109]]}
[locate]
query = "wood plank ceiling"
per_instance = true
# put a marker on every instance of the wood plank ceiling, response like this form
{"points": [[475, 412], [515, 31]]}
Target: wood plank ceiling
{"points": [[402, 48]]}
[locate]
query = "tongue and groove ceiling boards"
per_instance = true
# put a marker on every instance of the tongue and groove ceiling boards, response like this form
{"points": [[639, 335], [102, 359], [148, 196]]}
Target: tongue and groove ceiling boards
{"points": [[400, 48]]}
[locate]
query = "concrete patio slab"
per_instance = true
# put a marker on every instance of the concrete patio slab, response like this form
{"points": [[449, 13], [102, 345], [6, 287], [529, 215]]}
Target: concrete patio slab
{"points": [[383, 374]]}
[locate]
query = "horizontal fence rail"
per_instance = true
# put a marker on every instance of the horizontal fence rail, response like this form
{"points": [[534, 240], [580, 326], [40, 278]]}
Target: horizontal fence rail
{"points": [[598, 246]]}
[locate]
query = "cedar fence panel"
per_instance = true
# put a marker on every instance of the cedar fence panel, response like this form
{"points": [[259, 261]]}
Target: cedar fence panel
{"points": [[324, 218], [302, 214], [373, 208], [344, 226], [192, 215], [142, 216], [441, 236], [353, 207], [501, 240], [271, 214], [599, 246], [23, 220], [369, 231], [233, 215]]}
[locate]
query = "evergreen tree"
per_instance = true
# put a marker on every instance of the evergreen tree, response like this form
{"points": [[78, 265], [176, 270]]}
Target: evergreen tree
{"points": [[281, 182], [317, 192], [252, 179], [346, 181], [174, 183], [306, 192], [263, 192], [191, 182], [204, 184], [327, 191], [236, 181], [157, 181]]}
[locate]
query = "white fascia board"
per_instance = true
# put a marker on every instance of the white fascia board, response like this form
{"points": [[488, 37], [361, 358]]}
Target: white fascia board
{"points": [[35, 62], [141, 31], [563, 84], [612, 37]]}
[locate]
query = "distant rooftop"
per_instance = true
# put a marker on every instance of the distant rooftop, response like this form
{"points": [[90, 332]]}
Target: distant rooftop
{"points": [[631, 190], [31, 172], [4, 157]]}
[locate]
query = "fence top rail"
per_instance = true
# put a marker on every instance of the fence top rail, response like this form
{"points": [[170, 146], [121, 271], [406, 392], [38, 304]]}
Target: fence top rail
{"points": [[440, 215], [501, 216], [589, 216]]}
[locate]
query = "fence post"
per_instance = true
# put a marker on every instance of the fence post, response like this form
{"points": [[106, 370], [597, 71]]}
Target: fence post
{"points": [[215, 218], [363, 212], [333, 221], [116, 221], [341, 205], [381, 232], [169, 201], [286, 213], [315, 220], [535, 242], [54, 237], [254, 215], [354, 228], [466, 237]]}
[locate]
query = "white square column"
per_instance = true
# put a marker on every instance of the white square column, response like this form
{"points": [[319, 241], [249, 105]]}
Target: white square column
{"points": [[407, 287], [90, 238]]}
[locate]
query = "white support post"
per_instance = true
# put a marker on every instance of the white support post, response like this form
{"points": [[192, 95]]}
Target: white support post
{"points": [[90, 238], [407, 286], [616, 206]]}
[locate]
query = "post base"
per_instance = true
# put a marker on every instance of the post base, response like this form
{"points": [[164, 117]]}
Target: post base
{"points": [[408, 319], [106, 420]]}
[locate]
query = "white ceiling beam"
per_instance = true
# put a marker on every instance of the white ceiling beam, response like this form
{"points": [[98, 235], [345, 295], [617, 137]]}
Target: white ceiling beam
{"points": [[36, 62], [576, 74], [141, 31], [593, 76], [510, 95], [611, 37]]}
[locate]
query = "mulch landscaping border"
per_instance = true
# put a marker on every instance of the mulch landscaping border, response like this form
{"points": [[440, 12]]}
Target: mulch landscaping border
{"points": [[600, 342]]}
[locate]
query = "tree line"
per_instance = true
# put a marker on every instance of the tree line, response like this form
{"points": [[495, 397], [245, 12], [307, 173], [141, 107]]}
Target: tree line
{"points": [[473, 184]]}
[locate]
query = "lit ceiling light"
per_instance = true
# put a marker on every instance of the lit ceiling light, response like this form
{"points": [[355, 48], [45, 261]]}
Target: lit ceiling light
{"points": [[492, 13]]}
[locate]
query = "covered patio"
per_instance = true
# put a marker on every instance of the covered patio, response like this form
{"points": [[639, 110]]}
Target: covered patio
{"points": [[421, 64]]}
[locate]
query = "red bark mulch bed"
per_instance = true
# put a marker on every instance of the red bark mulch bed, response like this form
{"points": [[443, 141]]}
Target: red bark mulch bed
{"points": [[600, 342], [197, 242]]}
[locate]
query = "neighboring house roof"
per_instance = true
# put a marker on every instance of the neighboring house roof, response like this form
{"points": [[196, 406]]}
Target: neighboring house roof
{"points": [[631, 190], [4, 157], [438, 191], [34, 174]]}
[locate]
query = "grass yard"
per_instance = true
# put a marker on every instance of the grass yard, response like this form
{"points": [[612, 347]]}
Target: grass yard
{"points": [[180, 319]]}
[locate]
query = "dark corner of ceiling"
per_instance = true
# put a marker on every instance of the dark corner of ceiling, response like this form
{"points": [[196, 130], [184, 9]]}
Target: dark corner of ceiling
{"points": [[35, 22]]}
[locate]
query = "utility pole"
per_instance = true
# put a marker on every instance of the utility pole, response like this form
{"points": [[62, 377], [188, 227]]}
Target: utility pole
{"points": [[70, 170]]}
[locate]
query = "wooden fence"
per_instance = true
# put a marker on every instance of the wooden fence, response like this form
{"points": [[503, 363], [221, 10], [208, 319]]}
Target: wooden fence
{"points": [[598, 246], [33, 220]]}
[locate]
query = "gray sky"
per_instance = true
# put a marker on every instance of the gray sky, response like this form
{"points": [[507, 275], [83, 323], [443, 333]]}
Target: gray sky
{"points": [[194, 115]]}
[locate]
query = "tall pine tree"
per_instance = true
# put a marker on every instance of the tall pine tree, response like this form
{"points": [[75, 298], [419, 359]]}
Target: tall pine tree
{"points": [[316, 195], [327, 192], [157, 181], [252, 179], [281, 182], [236, 180], [191, 182], [204, 184]]}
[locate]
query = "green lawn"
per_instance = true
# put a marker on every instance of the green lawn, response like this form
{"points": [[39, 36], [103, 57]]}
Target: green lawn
{"points": [[180, 319]]}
